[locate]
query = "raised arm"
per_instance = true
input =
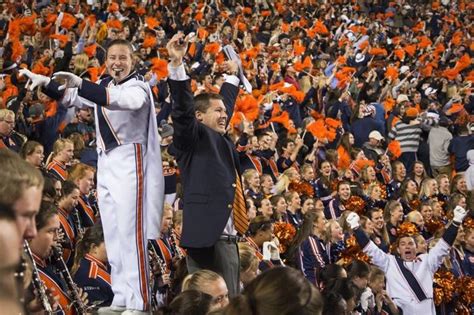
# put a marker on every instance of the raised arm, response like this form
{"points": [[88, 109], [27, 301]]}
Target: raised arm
{"points": [[378, 256], [441, 249], [182, 113]]}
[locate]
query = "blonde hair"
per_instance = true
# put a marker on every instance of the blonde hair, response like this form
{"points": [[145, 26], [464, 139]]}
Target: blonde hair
{"points": [[412, 216], [389, 207], [17, 176], [327, 232], [178, 218], [58, 146], [247, 256], [199, 280], [4, 113], [247, 175], [284, 181], [80, 63], [425, 189]]}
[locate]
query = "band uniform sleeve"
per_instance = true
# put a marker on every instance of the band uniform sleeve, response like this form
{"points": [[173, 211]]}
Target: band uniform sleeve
{"points": [[52, 90], [441, 249], [119, 97], [378, 256]]}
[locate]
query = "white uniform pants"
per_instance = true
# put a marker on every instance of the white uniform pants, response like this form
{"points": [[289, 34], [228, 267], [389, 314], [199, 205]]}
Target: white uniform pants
{"points": [[120, 188]]}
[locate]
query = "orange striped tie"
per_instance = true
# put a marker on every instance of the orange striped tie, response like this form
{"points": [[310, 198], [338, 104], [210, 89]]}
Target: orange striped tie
{"points": [[239, 210]]}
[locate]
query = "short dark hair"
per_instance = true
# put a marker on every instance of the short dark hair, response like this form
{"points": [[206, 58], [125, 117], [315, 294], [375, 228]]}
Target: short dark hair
{"points": [[202, 102], [121, 42], [259, 223], [68, 188], [358, 268], [47, 211]]}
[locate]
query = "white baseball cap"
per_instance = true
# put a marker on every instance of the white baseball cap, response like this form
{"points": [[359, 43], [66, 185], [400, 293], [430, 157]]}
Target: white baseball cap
{"points": [[376, 135]]}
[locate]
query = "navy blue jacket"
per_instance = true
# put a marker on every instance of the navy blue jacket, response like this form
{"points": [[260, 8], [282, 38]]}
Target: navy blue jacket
{"points": [[207, 162]]}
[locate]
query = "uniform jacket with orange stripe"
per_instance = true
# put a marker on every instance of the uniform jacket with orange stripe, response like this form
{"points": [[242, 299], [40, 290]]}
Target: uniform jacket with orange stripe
{"points": [[207, 162], [94, 278], [124, 114]]}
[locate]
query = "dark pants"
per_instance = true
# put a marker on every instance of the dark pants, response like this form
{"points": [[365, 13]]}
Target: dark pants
{"points": [[222, 258], [408, 159]]}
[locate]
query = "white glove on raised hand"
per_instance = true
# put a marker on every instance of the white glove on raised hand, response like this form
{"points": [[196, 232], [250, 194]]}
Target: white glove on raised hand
{"points": [[35, 80], [70, 80], [353, 220], [459, 214]]}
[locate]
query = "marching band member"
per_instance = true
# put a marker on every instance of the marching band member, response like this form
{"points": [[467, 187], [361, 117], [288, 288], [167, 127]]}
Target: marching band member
{"points": [[83, 176], [58, 160], [66, 207], [130, 182], [410, 277], [91, 270], [48, 225]]}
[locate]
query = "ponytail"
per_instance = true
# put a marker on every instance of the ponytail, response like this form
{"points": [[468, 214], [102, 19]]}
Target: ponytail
{"points": [[93, 236]]}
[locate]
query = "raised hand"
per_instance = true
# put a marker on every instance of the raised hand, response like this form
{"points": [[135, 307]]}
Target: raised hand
{"points": [[353, 220], [70, 80], [35, 80], [459, 214], [177, 47]]}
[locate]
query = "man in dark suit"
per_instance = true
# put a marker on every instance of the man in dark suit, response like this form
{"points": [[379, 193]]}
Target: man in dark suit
{"points": [[209, 167]]}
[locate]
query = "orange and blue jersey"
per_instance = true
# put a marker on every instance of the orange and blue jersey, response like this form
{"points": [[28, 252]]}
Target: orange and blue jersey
{"points": [[53, 282], [93, 276], [58, 170], [68, 243], [87, 214]]}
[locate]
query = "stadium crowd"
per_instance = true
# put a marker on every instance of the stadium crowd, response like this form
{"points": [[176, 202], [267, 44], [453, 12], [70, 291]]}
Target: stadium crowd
{"points": [[344, 131]]}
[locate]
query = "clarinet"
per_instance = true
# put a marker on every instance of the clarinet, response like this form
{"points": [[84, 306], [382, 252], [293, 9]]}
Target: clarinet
{"points": [[79, 305], [155, 262], [77, 222], [38, 284], [174, 243], [19, 276]]}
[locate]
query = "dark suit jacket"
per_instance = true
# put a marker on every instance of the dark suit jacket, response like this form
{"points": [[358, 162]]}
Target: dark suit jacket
{"points": [[207, 161]]}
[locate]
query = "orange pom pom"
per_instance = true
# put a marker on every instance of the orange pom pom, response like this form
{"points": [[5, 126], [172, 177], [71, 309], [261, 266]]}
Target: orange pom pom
{"points": [[151, 22], [410, 49], [114, 24], [90, 50], [378, 51], [212, 48], [391, 73], [407, 229], [113, 7], [159, 67], [395, 149], [149, 41], [285, 232], [68, 21]]}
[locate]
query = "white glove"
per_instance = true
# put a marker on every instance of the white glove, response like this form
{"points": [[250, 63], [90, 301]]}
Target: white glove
{"points": [[459, 214], [367, 299], [353, 220], [71, 80], [35, 80], [270, 251]]}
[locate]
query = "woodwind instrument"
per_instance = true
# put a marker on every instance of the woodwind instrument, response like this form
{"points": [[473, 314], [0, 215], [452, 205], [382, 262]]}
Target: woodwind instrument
{"points": [[78, 223], [174, 244], [155, 263], [38, 284], [77, 302]]}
